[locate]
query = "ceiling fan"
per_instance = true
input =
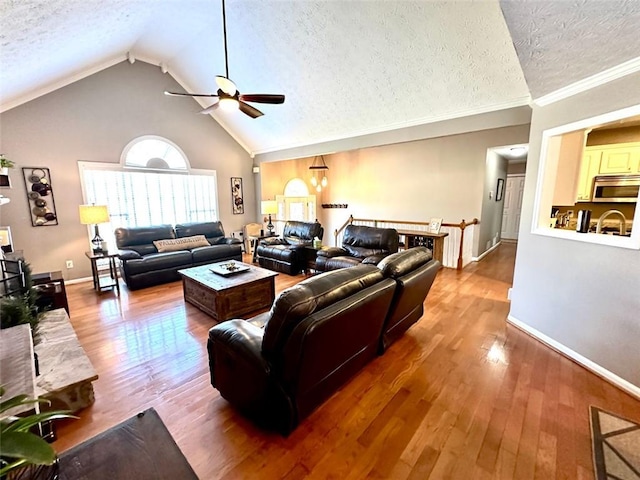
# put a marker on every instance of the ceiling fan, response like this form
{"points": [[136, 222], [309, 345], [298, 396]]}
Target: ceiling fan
{"points": [[228, 96]]}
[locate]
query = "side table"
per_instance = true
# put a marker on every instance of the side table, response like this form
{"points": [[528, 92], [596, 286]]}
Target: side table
{"points": [[309, 254], [51, 289], [101, 281]]}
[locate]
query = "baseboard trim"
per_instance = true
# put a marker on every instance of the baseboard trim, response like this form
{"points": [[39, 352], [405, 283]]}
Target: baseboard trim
{"points": [[593, 367], [477, 259], [78, 280]]}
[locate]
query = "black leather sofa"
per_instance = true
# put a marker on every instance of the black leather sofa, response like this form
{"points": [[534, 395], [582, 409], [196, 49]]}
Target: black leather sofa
{"points": [[143, 266], [360, 244], [277, 367], [414, 271], [282, 254]]}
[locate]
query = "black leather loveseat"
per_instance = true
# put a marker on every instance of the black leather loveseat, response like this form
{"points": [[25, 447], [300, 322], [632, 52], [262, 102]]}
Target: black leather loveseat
{"points": [[192, 244], [360, 244], [277, 367], [283, 254]]}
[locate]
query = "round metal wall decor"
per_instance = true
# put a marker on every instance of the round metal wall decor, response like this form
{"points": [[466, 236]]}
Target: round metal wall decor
{"points": [[42, 207]]}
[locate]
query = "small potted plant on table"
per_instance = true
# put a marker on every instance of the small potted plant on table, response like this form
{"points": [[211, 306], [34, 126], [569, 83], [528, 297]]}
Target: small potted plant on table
{"points": [[5, 164]]}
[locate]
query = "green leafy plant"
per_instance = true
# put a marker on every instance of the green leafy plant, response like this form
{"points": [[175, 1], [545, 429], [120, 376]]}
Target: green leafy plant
{"points": [[21, 307], [18, 445], [5, 162]]}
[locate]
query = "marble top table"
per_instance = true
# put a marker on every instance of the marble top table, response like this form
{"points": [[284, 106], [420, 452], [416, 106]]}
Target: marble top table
{"points": [[17, 372], [66, 372]]}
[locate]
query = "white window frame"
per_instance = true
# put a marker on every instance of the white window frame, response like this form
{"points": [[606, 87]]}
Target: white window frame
{"points": [[82, 165]]}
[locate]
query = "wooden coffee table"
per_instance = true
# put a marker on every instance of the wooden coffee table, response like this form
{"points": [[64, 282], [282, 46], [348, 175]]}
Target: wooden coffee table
{"points": [[229, 296]]}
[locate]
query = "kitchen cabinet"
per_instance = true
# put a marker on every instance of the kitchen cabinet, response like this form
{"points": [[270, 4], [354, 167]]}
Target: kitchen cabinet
{"points": [[590, 168], [621, 158], [624, 158]]}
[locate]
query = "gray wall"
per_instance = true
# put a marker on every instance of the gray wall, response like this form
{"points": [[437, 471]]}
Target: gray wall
{"points": [[94, 119], [491, 224], [582, 295]]}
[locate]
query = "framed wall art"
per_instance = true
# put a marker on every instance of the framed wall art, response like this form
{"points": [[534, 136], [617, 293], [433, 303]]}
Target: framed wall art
{"points": [[500, 189], [42, 207], [434, 225], [237, 198]]}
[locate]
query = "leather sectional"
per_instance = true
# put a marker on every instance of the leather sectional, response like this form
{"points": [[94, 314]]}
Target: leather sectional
{"points": [[143, 266], [277, 367], [283, 254], [360, 245]]}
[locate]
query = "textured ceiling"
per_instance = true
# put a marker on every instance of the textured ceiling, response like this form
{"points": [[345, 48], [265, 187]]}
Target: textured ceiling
{"points": [[347, 68], [562, 42]]}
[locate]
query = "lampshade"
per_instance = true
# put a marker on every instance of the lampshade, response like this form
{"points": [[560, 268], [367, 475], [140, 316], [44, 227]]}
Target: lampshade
{"points": [[5, 238], [93, 214], [268, 207]]}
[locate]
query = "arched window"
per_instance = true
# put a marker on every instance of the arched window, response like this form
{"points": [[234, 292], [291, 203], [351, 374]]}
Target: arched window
{"points": [[151, 151], [296, 187], [152, 185], [296, 203]]}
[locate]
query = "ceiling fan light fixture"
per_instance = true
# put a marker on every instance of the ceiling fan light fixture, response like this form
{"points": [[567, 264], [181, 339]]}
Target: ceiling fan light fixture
{"points": [[228, 104], [226, 85]]}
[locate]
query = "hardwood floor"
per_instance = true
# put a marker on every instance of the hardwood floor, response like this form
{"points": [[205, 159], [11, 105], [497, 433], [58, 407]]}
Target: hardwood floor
{"points": [[462, 395]]}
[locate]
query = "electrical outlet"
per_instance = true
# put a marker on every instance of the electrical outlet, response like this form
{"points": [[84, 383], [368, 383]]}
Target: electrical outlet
{"points": [[69, 263]]}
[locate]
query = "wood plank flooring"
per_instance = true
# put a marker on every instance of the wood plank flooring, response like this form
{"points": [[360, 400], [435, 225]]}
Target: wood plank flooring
{"points": [[462, 395]]}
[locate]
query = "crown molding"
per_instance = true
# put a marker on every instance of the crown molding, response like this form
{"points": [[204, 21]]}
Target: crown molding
{"points": [[614, 73]]}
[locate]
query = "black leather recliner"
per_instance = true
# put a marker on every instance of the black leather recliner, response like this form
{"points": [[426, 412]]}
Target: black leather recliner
{"points": [[414, 271], [282, 254], [360, 244]]}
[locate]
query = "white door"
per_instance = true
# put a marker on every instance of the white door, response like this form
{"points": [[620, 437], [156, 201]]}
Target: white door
{"points": [[512, 207], [296, 208]]}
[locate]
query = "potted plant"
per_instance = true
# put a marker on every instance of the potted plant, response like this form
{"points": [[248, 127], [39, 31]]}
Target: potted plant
{"points": [[20, 448], [5, 165]]}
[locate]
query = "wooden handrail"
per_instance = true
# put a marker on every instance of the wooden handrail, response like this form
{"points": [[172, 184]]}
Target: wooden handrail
{"points": [[462, 225]]}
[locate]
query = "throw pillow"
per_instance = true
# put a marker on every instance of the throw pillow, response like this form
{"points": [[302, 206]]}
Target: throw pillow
{"points": [[185, 243]]}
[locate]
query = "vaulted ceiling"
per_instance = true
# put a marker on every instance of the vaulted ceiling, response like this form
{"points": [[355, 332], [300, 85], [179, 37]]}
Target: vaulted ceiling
{"points": [[347, 68]]}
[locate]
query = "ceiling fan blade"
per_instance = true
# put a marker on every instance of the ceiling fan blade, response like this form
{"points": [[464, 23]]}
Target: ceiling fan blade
{"points": [[249, 110], [210, 108], [178, 94], [226, 85], [262, 98]]}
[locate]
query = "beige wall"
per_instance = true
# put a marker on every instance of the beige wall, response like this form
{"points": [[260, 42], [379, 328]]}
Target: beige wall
{"points": [[438, 177], [94, 119], [516, 168]]}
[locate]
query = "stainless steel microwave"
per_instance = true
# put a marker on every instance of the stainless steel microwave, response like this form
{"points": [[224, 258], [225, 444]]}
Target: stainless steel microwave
{"points": [[616, 188]]}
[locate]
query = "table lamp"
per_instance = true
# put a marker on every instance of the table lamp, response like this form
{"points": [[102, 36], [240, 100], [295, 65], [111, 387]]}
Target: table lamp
{"points": [[5, 240], [267, 208], [93, 215]]}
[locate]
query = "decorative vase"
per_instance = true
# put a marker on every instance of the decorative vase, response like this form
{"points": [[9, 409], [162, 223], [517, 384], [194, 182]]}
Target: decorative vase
{"points": [[4, 170]]}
